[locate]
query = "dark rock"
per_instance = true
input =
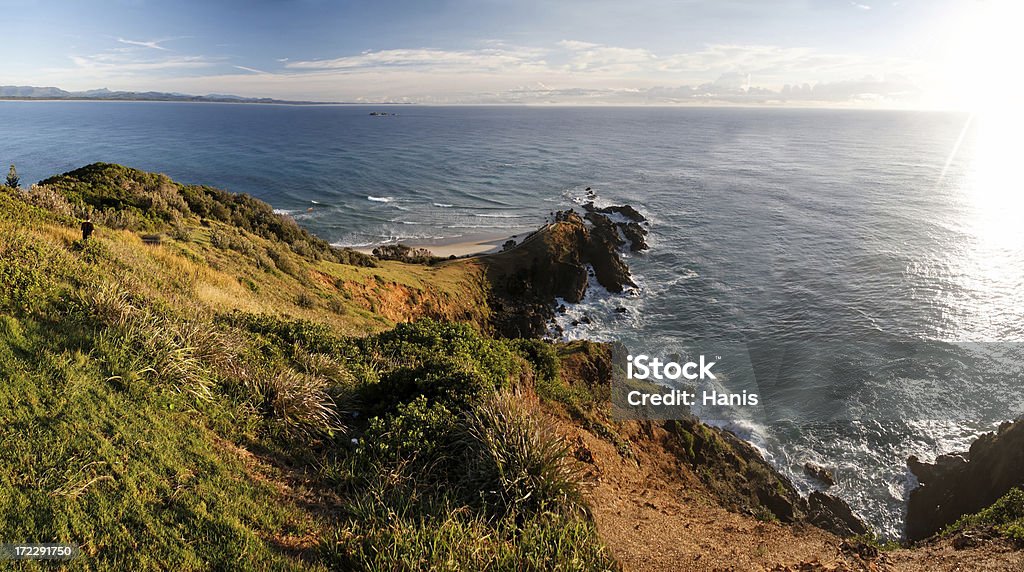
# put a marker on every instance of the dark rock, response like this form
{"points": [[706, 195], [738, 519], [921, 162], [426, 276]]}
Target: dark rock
{"points": [[602, 251], [585, 320], [624, 210], [819, 473], [834, 515], [561, 309], [636, 235], [961, 484], [621, 310], [861, 549]]}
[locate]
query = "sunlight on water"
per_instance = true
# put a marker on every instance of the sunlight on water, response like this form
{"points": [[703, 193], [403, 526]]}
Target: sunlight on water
{"points": [[992, 265]]}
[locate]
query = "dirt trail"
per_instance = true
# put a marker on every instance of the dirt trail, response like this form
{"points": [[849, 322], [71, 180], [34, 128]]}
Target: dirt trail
{"points": [[656, 515]]}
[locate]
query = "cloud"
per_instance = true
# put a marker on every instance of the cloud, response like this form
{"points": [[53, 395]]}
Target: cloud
{"points": [[439, 60], [586, 56], [569, 71], [861, 6], [155, 45]]}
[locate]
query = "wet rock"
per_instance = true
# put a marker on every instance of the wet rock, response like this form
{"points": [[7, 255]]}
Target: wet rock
{"points": [[625, 210], [621, 310], [819, 473], [636, 235], [965, 483]]}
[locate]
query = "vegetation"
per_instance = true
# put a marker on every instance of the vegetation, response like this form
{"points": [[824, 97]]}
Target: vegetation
{"points": [[127, 198], [13, 180], [1005, 518], [405, 253], [221, 400]]}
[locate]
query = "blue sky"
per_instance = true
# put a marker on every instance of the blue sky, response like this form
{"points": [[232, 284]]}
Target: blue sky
{"points": [[836, 52]]}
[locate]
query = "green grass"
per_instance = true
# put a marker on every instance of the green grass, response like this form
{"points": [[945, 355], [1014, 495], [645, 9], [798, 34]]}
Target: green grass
{"points": [[191, 405]]}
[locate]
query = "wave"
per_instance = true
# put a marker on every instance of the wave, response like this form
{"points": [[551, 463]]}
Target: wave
{"points": [[443, 205], [380, 199], [285, 212], [501, 215]]}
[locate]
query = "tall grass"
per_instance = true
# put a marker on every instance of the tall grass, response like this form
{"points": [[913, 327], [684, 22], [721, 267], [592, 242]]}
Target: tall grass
{"points": [[519, 463]]}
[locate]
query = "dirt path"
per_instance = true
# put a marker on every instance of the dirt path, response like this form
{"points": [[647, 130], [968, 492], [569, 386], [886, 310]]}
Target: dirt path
{"points": [[656, 515]]}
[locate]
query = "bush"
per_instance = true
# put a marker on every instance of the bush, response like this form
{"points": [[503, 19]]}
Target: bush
{"points": [[416, 343], [403, 253], [440, 380], [1005, 516], [25, 283], [417, 438]]}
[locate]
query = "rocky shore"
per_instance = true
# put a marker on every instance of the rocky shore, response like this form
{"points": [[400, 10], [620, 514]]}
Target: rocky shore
{"points": [[964, 483]]}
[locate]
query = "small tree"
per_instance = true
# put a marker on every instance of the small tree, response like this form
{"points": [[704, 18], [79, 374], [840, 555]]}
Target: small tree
{"points": [[13, 180]]}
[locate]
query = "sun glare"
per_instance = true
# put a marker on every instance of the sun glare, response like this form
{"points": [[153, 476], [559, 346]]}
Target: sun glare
{"points": [[980, 70]]}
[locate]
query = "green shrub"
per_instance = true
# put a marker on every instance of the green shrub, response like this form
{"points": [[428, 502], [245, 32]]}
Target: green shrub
{"points": [[1005, 516], [25, 281], [91, 251], [427, 341], [403, 253], [418, 438]]}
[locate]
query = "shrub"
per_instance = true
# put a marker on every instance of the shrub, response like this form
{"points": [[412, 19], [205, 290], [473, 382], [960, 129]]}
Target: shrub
{"points": [[403, 253], [416, 343], [439, 380], [49, 199], [91, 251], [417, 438], [1005, 516], [25, 282]]}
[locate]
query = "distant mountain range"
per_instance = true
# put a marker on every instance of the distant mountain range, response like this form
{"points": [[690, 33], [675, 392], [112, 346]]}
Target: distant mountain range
{"points": [[31, 92]]}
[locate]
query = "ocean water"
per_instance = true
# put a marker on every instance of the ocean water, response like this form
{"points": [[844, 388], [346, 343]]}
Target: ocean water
{"points": [[870, 263]]}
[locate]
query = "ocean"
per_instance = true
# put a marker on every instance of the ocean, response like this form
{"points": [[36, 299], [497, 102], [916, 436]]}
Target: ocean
{"points": [[870, 263]]}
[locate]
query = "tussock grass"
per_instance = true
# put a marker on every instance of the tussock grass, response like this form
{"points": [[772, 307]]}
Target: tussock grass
{"points": [[519, 464]]}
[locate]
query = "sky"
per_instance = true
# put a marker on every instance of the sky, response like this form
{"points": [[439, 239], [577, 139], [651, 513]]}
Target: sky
{"points": [[860, 53]]}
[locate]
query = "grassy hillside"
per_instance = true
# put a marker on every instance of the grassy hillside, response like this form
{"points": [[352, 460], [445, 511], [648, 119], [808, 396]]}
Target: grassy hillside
{"points": [[235, 393]]}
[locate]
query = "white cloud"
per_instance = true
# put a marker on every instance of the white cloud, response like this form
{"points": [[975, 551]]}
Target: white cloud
{"points": [[439, 60], [570, 71], [155, 45]]}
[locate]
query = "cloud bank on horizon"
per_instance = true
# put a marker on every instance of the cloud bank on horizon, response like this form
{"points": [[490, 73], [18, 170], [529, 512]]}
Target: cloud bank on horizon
{"points": [[802, 52]]}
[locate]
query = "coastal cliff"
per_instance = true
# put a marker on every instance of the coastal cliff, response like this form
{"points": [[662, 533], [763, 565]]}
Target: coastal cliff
{"points": [[206, 373], [965, 483]]}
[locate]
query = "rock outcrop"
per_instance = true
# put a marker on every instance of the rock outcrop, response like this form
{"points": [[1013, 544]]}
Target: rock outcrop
{"points": [[553, 263], [630, 228], [965, 483]]}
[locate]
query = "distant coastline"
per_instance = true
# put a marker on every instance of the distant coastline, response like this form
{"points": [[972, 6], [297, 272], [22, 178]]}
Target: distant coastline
{"points": [[32, 93]]}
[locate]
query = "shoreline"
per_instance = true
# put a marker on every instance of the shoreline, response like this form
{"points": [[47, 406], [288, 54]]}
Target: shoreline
{"points": [[487, 243]]}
